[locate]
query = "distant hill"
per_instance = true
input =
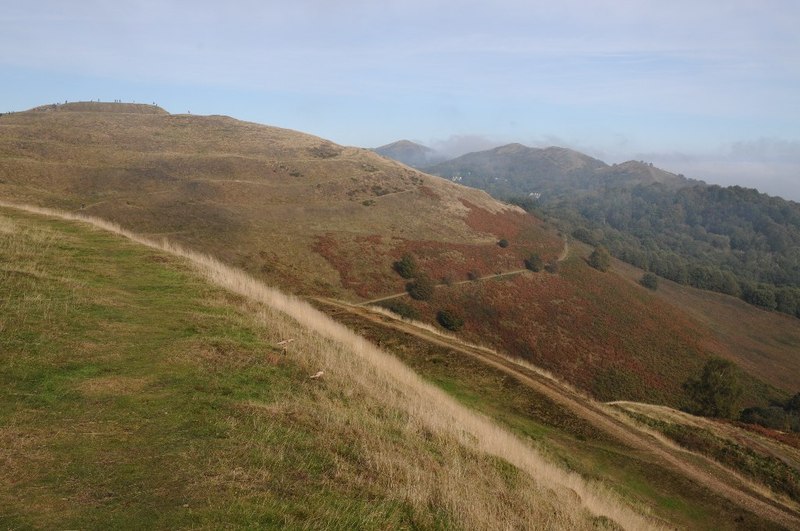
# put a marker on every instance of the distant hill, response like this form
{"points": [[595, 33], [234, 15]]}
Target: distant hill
{"points": [[727, 239], [410, 153], [515, 170]]}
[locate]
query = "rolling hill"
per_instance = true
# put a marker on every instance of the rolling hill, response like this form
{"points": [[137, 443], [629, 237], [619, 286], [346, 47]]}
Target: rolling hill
{"points": [[143, 386], [328, 222], [410, 153], [515, 170]]}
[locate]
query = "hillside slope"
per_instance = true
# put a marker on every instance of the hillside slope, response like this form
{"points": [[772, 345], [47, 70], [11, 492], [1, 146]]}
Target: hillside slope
{"points": [[135, 393], [280, 204], [325, 220]]}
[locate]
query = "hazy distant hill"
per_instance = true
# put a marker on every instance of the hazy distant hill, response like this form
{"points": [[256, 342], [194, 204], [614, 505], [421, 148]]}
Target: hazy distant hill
{"points": [[727, 239], [516, 170], [410, 153]]}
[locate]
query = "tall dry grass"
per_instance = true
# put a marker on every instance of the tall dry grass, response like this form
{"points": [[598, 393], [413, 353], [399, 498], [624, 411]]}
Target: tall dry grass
{"points": [[350, 362]]}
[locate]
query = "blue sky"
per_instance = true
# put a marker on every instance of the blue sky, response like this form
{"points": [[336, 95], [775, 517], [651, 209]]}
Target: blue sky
{"points": [[707, 88]]}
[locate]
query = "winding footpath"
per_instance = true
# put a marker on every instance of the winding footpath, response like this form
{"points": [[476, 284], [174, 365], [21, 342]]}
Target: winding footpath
{"points": [[713, 476]]}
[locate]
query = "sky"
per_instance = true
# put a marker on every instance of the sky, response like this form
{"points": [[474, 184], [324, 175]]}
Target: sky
{"points": [[707, 88]]}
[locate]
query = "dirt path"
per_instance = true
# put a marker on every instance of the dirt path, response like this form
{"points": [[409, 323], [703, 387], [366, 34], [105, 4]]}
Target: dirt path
{"points": [[561, 257], [459, 283], [720, 481]]}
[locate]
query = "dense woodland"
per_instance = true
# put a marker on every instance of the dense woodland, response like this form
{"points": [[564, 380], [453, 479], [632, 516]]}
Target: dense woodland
{"points": [[732, 240]]}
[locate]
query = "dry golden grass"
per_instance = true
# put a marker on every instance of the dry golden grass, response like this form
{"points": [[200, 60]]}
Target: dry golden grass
{"points": [[356, 372]]}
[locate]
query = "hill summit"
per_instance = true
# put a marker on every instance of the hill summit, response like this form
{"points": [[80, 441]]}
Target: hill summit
{"points": [[410, 153], [97, 106]]}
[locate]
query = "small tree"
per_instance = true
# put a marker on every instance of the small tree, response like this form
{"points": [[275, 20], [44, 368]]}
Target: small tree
{"points": [[449, 320], [421, 289], [406, 267], [534, 262], [503, 243], [551, 267], [600, 259], [649, 281], [473, 274], [715, 392]]}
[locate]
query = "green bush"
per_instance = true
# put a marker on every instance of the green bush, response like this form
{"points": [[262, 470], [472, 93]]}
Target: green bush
{"points": [[715, 392], [503, 243], [474, 274], [600, 259], [401, 308], [449, 320], [406, 267], [421, 289], [649, 281], [534, 262]]}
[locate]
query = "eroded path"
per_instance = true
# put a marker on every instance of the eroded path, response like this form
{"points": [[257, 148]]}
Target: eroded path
{"points": [[698, 468]]}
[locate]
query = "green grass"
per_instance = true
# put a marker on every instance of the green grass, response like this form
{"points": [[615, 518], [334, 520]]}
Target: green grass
{"points": [[133, 394]]}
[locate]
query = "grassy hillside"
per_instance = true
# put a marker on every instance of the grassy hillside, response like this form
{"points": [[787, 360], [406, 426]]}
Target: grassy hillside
{"points": [[275, 202], [136, 393], [320, 219]]}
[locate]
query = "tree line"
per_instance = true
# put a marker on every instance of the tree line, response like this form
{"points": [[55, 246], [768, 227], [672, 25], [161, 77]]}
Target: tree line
{"points": [[731, 240]]}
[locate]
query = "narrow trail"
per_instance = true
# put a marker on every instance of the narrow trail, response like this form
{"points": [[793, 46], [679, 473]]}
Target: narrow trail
{"points": [[423, 401], [729, 487], [721, 481], [561, 257]]}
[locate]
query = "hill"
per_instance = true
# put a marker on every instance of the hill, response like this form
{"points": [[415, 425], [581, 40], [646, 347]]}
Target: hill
{"points": [[218, 400], [410, 153], [516, 171], [135, 393], [278, 203], [727, 239], [314, 218], [329, 221]]}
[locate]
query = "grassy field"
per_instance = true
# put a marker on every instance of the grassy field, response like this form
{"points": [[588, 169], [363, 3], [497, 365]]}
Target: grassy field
{"points": [[135, 394]]}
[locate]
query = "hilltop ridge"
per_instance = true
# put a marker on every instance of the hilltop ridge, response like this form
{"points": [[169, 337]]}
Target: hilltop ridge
{"points": [[97, 106]]}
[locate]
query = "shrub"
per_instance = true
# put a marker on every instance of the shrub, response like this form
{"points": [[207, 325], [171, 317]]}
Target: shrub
{"points": [[421, 289], [474, 274], [534, 262], [600, 259], [503, 243], [401, 308], [449, 320], [406, 267], [649, 281], [769, 417], [584, 235], [552, 267], [715, 392]]}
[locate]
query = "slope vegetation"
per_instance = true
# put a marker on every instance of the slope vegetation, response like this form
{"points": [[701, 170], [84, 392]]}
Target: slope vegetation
{"points": [[134, 391], [287, 206], [320, 219]]}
